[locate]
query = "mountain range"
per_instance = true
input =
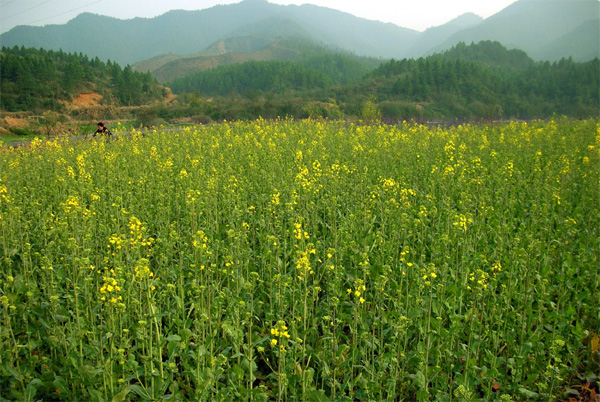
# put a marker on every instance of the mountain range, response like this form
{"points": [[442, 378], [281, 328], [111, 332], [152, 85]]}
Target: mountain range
{"points": [[252, 29]]}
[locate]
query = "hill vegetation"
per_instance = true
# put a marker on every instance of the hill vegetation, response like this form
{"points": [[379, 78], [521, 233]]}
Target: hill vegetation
{"points": [[483, 80], [486, 80], [168, 68], [268, 76], [311, 67], [43, 79], [477, 81]]}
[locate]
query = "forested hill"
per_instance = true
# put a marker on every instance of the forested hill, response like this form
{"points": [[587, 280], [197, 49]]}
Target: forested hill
{"points": [[483, 80], [491, 54], [315, 69], [487, 80], [44, 79]]}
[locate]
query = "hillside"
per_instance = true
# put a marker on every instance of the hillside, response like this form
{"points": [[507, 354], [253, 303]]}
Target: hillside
{"points": [[435, 35], [546, 30], [39, 80], [491, 55], [244, 49], [245, 45], [536, 27], [224, 52], [484, 80], [245, 78], [189, 32], [317, 70], [583, 41]]}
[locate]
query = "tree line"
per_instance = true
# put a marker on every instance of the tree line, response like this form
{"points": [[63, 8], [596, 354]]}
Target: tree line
{"points": [[245, 78], [314, 70], [483, 80], [38, 79], [487, 80]]}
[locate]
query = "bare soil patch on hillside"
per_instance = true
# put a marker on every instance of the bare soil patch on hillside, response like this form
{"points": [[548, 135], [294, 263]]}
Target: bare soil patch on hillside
{"points": [[87, 99]]}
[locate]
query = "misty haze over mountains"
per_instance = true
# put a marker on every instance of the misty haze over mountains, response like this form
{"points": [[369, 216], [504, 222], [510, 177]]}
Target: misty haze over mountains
{"points": [[546, 30]]}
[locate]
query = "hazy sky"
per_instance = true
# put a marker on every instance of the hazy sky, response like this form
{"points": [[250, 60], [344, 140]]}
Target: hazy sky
{"points": [[415, 14]]}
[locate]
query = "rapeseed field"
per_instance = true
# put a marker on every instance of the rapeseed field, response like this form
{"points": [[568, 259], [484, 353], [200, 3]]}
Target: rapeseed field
{"points": [[303, 261]]}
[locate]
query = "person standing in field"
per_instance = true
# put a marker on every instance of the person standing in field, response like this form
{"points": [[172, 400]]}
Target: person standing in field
{"points": [[102, 130]]}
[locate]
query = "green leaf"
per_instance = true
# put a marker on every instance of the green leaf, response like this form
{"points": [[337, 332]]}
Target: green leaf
{"points": [[318, 396], [421, 379], [138, 390], [96, 395], [14, 373], [61, 384], [120, 397], [173, 338], [422, 395], [32, 388], [527, 393]]}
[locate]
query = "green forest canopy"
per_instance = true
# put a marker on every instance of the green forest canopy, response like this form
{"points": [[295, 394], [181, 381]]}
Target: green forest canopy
{"points": [[483, 80], [38, 79], [479, 80]]}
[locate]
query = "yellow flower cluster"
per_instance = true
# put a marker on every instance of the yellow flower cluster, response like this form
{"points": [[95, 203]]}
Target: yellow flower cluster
{"points": [[4, 194], [303, 262], [509, 169], [275, 198], [279, 333], [71, 204], [303, 178], [478, 279], [429, 274], [109, 292], [200, 242], [405, 251], [142, 269], [359, 287], [462, 221], [137, 230], [366, 262], [329, 261], [81, 167], [115, 242], [192, 195], [299, 234], [389, 184], [496, 268]]}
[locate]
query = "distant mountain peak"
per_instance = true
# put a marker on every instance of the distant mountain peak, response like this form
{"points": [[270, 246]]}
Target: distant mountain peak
{"points": [[467, 19], [542, 28], [434, 35]]}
